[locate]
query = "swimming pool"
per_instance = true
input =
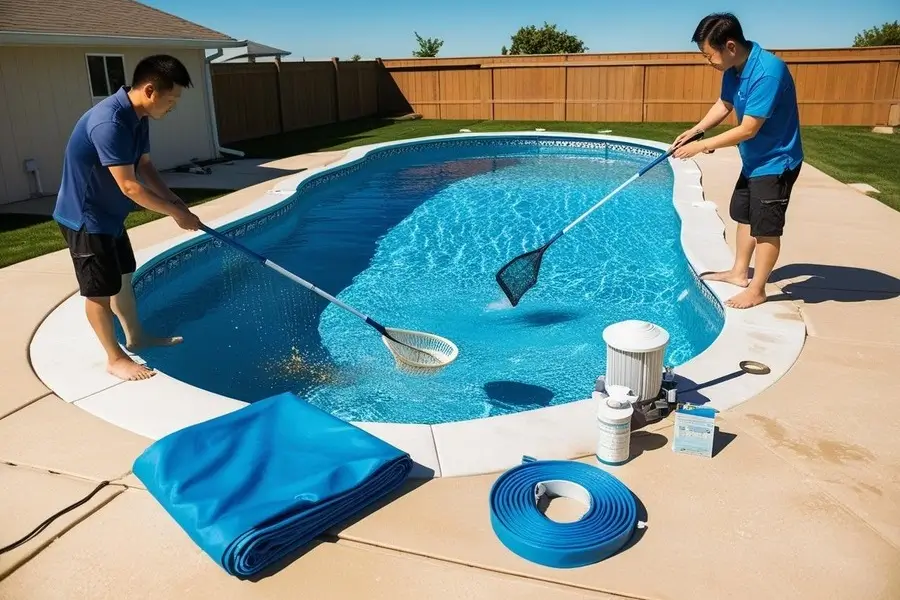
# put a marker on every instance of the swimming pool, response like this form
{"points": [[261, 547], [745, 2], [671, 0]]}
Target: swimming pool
{"points": [[413, 235]]}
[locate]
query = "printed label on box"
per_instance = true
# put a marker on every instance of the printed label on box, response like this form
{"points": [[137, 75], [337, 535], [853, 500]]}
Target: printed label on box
{"points": [[695, 430]]}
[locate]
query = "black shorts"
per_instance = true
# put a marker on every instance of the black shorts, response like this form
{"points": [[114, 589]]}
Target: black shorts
{"points": [[761, 202], [100, 260]]}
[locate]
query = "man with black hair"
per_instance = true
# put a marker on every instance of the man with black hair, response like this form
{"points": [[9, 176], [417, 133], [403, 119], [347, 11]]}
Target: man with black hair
{"points": [[759, 87], [107, 151]]}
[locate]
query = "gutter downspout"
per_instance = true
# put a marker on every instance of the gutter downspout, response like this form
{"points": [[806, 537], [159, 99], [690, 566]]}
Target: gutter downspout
{"points": [[207, 73]]}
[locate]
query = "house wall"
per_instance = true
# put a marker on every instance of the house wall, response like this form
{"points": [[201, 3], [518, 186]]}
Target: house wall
{"points": [[45, 89]]}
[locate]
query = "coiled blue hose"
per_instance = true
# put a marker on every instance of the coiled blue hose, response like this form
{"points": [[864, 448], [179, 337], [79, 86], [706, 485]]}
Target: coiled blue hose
{"points": [[522, 527]]}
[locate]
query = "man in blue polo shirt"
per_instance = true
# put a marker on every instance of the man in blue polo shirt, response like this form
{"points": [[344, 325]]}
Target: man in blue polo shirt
{"points": [[759, 87], [109, 147]]}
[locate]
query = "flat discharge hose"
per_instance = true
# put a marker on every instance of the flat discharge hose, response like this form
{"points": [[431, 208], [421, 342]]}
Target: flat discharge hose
{"points": [[517, 518]]}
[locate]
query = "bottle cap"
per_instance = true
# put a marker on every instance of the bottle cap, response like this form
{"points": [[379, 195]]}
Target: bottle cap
{"points": [[618, 402], [620, 396]]}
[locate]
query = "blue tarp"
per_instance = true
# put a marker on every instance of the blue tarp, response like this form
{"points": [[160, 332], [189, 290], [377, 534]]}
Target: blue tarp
{"points": [[256, 484]]}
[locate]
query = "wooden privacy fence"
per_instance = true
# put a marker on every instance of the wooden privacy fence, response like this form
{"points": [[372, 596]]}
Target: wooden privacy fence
{"points": [[258, 99], [834, 87], [852, 86]]}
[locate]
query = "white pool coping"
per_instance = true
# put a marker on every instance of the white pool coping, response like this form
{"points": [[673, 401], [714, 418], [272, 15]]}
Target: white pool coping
{"points": [[66, 356]]}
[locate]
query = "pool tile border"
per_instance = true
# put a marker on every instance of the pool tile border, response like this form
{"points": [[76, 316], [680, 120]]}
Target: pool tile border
{"points": [[772, 333]]}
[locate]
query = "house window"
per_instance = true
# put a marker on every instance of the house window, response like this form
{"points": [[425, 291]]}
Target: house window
{"points": [[106, 73]]}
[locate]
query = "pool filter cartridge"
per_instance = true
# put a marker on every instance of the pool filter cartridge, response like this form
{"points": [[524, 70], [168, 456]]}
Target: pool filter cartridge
{"points": [[634, 356]]}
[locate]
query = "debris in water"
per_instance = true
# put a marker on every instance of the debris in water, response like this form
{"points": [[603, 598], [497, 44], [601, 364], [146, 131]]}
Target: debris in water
{"points": [[296, 365]]}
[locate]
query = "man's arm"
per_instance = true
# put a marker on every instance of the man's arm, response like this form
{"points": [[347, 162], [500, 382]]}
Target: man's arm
{"points": [[147, 170], [717, 113], [134, 189], [151, 176], [761, 102], [747, 129], [113, 145], [127, 180]]}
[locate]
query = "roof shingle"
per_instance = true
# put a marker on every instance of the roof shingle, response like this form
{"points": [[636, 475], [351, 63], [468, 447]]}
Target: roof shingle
{"points": [[104, 18]]}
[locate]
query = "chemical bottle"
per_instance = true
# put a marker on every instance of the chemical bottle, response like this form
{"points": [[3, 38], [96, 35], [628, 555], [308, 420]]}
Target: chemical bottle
{"points": [[614, 425]]}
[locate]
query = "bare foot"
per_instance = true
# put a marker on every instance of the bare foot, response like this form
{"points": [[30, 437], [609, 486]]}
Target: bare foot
{"points": [[127, 369], [147, 342], [746, 299], [738, 279]]}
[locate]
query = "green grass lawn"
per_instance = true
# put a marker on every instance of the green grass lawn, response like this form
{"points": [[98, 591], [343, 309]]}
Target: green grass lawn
{"points": [[26, 236], [849, 154]]}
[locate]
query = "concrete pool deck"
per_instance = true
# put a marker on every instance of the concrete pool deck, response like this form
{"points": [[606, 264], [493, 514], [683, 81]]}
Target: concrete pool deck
{"points": [[801, 496]]}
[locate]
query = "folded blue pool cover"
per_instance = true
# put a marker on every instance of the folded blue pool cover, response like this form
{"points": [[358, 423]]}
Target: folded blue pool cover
{"points": [[254, 485]]}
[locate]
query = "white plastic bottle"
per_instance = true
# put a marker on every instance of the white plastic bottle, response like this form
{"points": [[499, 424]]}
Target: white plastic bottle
{"points": [[614, 426]]}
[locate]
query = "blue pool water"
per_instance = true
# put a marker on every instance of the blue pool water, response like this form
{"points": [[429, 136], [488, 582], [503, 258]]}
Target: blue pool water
{"points": [[413, 237]]}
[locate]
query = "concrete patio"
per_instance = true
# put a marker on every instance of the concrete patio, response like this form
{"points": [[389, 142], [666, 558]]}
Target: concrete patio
{"points": [[801, 500]]}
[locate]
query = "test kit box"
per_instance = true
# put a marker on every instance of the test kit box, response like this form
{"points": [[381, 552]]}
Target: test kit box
{"points": [[695, 430]]}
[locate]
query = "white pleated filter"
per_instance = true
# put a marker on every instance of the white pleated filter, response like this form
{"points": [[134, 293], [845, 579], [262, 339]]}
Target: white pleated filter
{"points": [[634, 356]]}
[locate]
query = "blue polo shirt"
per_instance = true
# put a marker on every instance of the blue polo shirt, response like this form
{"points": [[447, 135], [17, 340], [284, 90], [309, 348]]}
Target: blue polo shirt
{"points": [[108, 134], [765, 89]]}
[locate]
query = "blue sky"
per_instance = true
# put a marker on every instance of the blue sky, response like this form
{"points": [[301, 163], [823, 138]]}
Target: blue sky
{"points": [[320, 30]]}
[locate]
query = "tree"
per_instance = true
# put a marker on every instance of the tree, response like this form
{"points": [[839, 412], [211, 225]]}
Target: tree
{"points": [[886, 35], [356, 57], [546, 40], [428, 47]]}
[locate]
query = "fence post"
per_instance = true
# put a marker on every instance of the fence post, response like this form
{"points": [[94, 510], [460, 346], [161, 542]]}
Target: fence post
{"points": [[492, 71], [440, 95], [379, 71], [278, 93], [643, 93], [337, 89]]}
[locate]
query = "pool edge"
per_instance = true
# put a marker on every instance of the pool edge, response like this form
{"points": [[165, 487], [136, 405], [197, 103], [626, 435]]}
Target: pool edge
{"points": [[772, 333]]}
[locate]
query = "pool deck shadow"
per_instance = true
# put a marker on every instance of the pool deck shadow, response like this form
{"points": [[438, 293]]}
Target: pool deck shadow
{"points": [[240, 173], [691, 392], [800, 487]]}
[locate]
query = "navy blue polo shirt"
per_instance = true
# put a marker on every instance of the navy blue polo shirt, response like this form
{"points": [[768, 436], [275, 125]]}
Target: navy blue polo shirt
{"points": [[765, 89], [108, 134]]}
